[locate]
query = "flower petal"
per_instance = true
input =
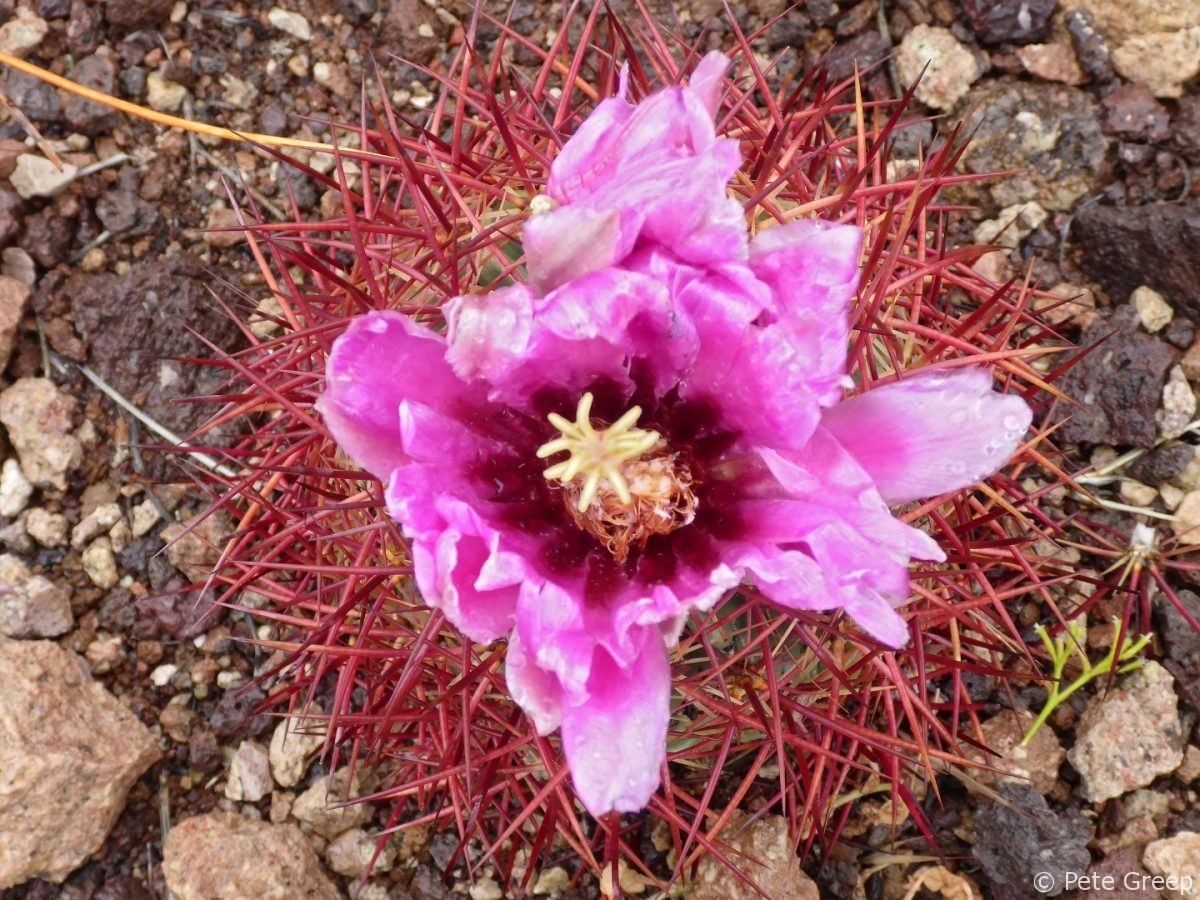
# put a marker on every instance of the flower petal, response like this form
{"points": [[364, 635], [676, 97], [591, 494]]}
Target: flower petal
{"points": [[615, 741], [382, 359], [458, 563], [812, 269], [658, 167], [536, 691], [931, 433]]}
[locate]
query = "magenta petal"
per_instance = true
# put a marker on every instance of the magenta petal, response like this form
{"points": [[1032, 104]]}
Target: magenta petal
{"points": [[615, 741], [875, 615], [536, 691], [458, 562], [382, 359], [931, 433], [573, 241], [812, 269]]}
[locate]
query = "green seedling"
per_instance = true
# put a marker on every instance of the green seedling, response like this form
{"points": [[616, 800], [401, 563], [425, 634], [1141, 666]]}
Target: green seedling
{"points": [[1123, 656]]}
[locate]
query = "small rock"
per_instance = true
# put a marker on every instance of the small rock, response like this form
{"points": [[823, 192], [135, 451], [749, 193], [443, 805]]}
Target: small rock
{"points": [[291, 23], [256, 859], [319, 806], [554, 880], [488, 889], [1162, 61], [1165, 463], [39, 419], [351, 852], [36, 176], [1008, 21], [1118, 386], [1012, 226], [1137, 494], [1187, 519], [1178, 859], [100, 564], [95, 523], [31, 606], [195, 546], [1132, 113], [143, 517], [1036, 764], [249, 773], [16, 263], [137, 14], [764, 852], [1178, 405], [177, 720], [1154, 312], [1129, 736], [1189, 769], [67, 768], [164, 95], [15, 489], [14, 295], [105, 654], [629, 879], [1108, 878], [1052, 62], [1181, 640], [98, 72], [292, 750], [161, 676], [1067, 303], [223, 218], [22, 34], [949, 68], [1019, 834], [47, 528]]}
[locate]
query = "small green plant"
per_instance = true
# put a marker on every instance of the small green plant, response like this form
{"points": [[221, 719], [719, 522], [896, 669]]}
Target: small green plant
{"points": [[1123, 655]]}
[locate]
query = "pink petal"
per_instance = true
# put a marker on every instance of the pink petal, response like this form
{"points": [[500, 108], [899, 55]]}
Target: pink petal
{"points": [[931, 433], [536, 690], [458, 562], [812, 269], [382, 359], [876, 616], [572, 241], [615, 741]]}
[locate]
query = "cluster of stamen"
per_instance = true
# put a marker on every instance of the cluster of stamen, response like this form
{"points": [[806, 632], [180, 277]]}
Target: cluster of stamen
{"points": [[620, 483]]}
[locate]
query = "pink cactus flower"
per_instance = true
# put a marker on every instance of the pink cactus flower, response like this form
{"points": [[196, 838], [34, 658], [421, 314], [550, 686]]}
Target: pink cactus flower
{"points": [[654, 172], [581, 463]]}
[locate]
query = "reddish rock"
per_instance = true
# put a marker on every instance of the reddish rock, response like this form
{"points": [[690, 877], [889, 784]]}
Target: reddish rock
{"points": [[69, 753], [221, 854], [1133, 113]]}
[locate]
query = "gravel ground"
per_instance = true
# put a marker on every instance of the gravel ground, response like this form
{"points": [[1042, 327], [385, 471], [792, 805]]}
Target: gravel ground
{"points": [[1098, 119]]}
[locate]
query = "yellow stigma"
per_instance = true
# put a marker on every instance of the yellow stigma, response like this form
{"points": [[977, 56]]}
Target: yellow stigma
{"points": [[596, 455]]}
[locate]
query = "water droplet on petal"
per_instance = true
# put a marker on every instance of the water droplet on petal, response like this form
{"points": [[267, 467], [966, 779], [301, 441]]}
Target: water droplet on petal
{"points": [[1013, 423]]}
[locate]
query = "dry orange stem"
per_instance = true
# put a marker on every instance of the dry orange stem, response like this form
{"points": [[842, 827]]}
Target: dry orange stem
{"points": [[150, 115]]}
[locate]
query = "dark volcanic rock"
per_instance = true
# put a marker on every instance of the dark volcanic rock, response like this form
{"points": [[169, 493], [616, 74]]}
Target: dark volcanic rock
{"points": [[1187, 128], [1133, 113], [1117, 386], [1008, 21], [135, 14], [1163, 463], [1089, 44], [1158, 245], [1183, 643], [1023, 836], [100, 74]]}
